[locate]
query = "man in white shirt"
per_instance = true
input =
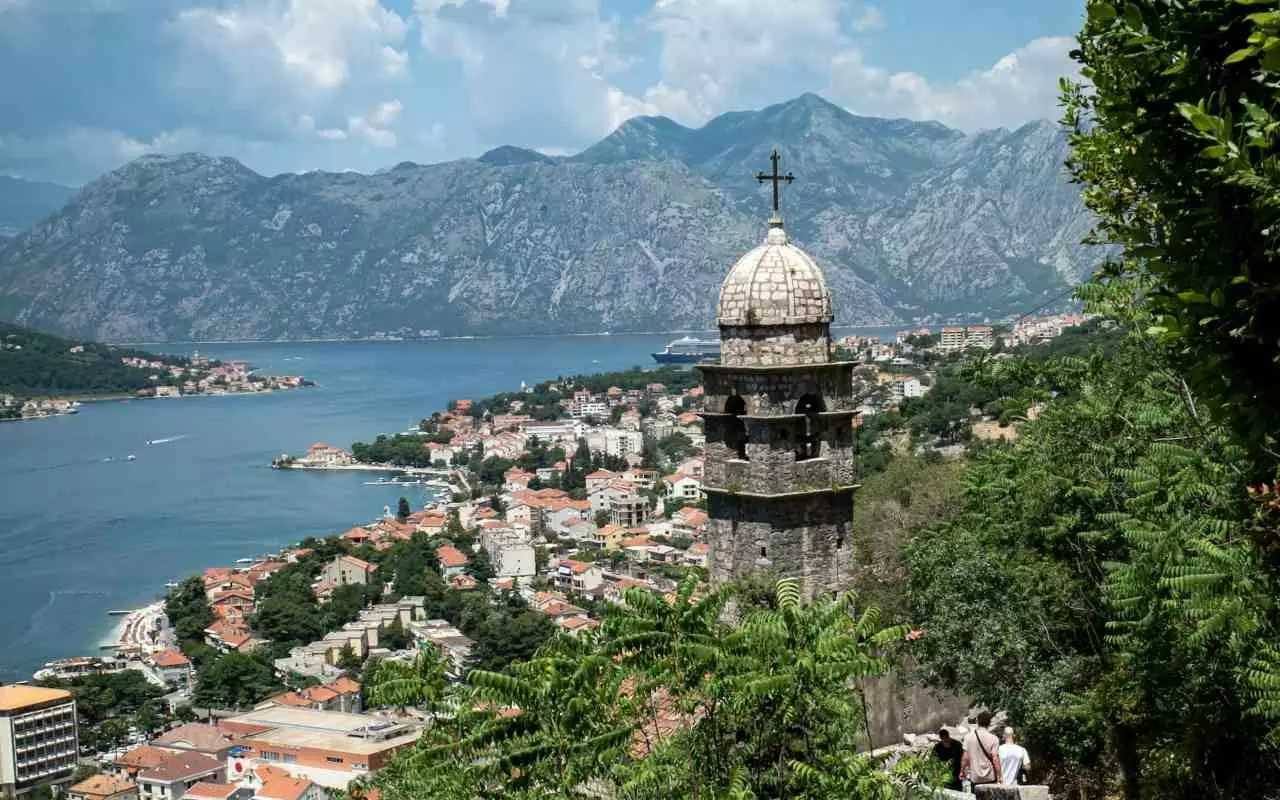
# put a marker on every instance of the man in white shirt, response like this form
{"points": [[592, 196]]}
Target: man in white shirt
{"points": [[1013, 758]]}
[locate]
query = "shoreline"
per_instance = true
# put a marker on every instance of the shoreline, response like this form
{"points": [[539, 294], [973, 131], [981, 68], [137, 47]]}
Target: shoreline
{"points": [[134, 628]]}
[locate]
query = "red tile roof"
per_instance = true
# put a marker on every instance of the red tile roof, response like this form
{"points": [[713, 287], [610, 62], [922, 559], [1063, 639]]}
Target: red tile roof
{"points": [[209, 789], [144, 756], [450, 556], [344, 685], [284, 788], [181, 766], [170, 658], [103, 786]]}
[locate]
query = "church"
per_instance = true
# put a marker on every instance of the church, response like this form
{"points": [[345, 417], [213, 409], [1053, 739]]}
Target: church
{"points": [[779, 422]]}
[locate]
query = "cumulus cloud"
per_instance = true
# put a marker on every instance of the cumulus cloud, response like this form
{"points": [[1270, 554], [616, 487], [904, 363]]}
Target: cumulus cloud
{"points": [[533, 69], [1020, 86]]}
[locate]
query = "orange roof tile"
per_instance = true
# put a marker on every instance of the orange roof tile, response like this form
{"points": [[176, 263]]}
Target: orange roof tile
{"points": [[344, 685], [170, 658], [450, 556], [214, 791], [103, 786], [144, 756], [284, 788]]}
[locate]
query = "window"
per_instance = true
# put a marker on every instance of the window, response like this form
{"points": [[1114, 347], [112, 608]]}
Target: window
{"points": [[810, 445], [764, 552], [290, 758], [333, 759], [268, 755], [735, 436]]}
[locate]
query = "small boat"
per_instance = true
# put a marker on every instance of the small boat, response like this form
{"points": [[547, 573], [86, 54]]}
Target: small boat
{"points": [[244, 560], [172, 585], [131, 457]]}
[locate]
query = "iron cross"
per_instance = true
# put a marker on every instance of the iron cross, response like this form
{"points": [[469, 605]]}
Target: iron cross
{"points": [[775, 178]]}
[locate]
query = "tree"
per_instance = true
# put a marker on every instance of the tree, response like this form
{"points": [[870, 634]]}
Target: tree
{"points": [[235, 681], [394, 636], [347, 659], [421, 683], [288, 621], [602, 518], [1174, 139], [147, 720], [1104, 559], [184, 713], [763, 709], [403, 510], [187, 608]]}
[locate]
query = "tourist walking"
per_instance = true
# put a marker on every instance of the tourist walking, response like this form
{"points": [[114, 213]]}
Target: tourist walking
{"points": [[1014, 760], [950, 751], [980, 762]]}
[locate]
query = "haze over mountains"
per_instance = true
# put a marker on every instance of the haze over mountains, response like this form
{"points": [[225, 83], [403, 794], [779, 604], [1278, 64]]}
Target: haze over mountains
{"points": [[634, 233], [23, 203]]}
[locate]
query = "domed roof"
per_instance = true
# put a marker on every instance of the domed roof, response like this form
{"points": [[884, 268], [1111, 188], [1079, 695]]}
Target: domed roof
{"points": [[776, 283]]}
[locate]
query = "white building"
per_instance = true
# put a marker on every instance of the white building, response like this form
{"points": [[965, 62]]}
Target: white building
{"points": [[39, 741]]}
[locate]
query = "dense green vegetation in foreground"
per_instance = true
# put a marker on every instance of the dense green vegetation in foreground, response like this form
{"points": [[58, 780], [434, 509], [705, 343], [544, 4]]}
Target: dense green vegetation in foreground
{"points": [[37, 364]]}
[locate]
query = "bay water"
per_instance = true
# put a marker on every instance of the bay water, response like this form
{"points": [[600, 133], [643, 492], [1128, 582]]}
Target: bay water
{"points": [[84, 530]]}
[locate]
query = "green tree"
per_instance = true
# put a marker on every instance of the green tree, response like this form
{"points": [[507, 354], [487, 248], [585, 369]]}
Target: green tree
{"points": [[403, 510], [147, 719], [1099, 585], [187, 608], [348, 660], [288, 621], [421, 683], [1174, 140], [234, 681], [394, 636]]}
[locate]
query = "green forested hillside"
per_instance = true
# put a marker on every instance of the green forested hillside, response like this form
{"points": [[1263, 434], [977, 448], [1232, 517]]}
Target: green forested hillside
{"points": [[35, 364]]}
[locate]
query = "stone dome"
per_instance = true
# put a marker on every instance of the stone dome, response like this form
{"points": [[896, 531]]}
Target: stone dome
{"points": [[776, 283]]}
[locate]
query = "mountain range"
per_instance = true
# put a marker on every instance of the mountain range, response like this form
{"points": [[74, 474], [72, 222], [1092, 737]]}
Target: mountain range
{"points": [[907, 219]]}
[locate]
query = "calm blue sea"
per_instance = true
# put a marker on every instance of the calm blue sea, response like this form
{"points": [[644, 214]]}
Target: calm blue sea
{"points": [[81, 535]]}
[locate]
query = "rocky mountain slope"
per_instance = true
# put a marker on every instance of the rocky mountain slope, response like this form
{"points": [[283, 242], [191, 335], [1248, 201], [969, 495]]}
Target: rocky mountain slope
{"points": [[23, 203], [634, 233]]}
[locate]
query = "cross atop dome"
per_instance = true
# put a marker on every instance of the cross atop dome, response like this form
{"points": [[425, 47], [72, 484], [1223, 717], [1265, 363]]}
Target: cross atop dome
{"points": [[775, 178]]}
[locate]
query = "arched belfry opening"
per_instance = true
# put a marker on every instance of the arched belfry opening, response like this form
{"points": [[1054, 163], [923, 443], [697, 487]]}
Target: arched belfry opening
{"points": [[810, 445], [736, 429]]}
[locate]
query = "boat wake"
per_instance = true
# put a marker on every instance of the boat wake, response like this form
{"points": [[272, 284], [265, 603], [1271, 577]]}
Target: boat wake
{"points": [[167, 439]]}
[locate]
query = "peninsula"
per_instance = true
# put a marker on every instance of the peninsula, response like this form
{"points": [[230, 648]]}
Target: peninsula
{"points": [[43, 375]]}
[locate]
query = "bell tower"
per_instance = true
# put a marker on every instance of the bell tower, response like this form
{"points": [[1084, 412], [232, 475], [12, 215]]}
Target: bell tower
{"points": [[779, 421]]}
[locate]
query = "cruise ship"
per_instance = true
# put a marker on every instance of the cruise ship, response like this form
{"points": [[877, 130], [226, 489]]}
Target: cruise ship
{"points": [[689, 351]]}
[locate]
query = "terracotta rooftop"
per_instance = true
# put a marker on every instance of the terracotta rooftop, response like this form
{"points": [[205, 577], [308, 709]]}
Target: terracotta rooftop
{"points": [[283, 788], [170, 658], [181, 767], [143, 756], [196, 736], [16, 697], [214, 791], [102, 785]]}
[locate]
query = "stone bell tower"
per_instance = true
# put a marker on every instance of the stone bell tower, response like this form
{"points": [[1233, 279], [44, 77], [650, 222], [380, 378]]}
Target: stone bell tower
{"points": [[779, 422]]}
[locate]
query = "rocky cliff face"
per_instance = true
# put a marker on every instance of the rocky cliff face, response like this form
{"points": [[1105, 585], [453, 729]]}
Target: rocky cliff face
{"points": [[634, 233]]}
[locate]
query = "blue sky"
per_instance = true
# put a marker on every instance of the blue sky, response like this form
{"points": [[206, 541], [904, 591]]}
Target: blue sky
{"points": [[290, 85]]}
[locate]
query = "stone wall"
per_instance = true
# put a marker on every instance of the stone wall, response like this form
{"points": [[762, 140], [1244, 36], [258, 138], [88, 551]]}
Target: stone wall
{"points": [[777, 391], [805, 536], [774, 345], [782, 454]]}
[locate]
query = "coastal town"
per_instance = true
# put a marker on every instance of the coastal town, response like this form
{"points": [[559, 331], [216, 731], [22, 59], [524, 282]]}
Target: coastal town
{"points": [[163, 378], [555, 502]]}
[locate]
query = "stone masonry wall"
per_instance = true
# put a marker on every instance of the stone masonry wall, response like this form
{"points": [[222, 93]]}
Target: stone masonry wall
{"points": [[776, 392], [774, 460], [804, 536], [774, 345]]}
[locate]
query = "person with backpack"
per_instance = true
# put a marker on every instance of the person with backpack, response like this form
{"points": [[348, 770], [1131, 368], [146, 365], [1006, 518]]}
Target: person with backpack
{"points": [[980, 762]]}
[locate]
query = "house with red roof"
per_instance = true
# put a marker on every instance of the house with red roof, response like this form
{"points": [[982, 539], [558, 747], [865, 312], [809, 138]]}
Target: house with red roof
{"points": [[683, 487], [209, 790], [171, 667], [225, 636], [577, 576], [452, 560]]}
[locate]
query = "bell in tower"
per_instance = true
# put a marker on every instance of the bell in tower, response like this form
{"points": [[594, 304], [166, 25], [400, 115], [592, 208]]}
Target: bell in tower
{"points": [[779, 422]]}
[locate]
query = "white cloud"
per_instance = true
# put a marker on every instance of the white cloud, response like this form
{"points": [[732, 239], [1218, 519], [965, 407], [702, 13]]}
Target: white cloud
{"points": [[531, 67], [387, 112], [318, 42], [1022, 85], [714, 50], [870, 19]]}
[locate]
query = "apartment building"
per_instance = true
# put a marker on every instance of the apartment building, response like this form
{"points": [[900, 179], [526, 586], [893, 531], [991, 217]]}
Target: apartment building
{"points": [[39, 740]]}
